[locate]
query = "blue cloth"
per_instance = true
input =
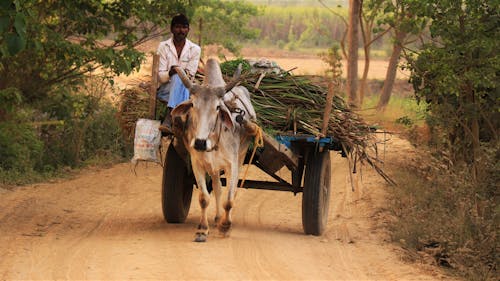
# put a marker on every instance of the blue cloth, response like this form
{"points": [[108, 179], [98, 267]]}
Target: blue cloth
{"points": [[173, 92]]}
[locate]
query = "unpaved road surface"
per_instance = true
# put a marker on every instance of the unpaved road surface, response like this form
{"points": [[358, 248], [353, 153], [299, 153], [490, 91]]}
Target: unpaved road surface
{"points": [[108, 224]]}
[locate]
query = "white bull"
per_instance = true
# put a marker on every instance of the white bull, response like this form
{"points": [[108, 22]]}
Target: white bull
{"points": [[215, 140]]}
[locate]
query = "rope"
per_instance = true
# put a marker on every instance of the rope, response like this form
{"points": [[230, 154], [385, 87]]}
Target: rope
{"points": [[258, 142]]}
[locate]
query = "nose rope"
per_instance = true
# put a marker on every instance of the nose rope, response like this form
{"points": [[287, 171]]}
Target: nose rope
{"points": [[216, 145]]}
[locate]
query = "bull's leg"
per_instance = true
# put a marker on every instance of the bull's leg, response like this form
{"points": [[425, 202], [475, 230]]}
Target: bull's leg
{"points": [[204, 199], [217, 187], [232, 176]]}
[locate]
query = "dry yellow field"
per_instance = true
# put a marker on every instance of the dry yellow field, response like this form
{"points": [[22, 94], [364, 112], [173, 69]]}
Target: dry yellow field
{"points": [[316, 66]]}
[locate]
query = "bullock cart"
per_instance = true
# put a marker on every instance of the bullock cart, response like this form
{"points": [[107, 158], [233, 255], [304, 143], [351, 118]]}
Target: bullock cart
{"points": [[307, 158]]}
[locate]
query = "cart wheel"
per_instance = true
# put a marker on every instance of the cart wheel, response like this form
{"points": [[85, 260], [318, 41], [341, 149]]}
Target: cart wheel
{"points": [[316, 195], [177, 188]]}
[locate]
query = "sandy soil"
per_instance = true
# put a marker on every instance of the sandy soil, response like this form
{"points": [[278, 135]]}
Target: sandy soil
{"points": [[108, 224]]}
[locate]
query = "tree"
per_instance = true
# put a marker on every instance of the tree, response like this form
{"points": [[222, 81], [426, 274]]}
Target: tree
{"points": [[370, 12], [352, 55], [65, 40], [456, 74], [401, 16], [344, 33], [224, 23]]}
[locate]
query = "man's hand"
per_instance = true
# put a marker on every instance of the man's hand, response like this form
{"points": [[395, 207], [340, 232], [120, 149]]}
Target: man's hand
{"points": [[172, 71]]}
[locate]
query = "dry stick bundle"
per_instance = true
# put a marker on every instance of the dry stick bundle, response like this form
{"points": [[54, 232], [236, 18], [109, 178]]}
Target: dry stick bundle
{"points": [[287, 104], [134, 104]]}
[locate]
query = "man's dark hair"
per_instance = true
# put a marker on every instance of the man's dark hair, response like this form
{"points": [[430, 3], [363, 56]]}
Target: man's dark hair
{"points": [[179, 19]]}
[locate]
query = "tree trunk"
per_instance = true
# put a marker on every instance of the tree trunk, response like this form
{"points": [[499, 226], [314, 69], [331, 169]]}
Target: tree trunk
{"points": [[352, 60], [364, 79], [475, 148], [390, 76], [200, 30]]}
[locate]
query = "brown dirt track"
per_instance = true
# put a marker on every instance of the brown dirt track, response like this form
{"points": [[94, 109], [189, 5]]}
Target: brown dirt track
{"points": [[108, 224]]}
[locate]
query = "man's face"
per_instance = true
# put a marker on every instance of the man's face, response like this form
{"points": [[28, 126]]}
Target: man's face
{"points": [[180, 31]]}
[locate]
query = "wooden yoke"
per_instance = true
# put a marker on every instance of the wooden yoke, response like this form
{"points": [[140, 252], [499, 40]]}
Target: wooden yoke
{"points": [[153, 87]]}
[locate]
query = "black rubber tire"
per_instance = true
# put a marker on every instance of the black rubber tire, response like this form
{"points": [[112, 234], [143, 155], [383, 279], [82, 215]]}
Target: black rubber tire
{"points": [[177, 188], [316, 194]]}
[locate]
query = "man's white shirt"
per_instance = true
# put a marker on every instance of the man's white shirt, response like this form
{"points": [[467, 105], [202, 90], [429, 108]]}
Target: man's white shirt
{"points": [[189, 59]]}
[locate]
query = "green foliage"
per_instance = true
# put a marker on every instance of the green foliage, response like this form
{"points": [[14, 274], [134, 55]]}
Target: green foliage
{"points": [[334, 60], [10, 99], [405, 120], [224, 22], [299, 27], [103, 137], [229, 67], [75, 128], [457, 74], [12, 28], [20, 146], [48, 49], [66, 39], [400, 107], [89, 126], [401, 17], [455, 204]]}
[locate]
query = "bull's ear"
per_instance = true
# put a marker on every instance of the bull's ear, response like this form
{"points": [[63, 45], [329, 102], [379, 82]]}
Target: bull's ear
{"points": [[182, 108], [225, 116]]}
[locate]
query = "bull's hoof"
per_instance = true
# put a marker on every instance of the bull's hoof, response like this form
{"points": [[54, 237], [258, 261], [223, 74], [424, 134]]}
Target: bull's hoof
{"points": [[225, 228], [200, 237]]}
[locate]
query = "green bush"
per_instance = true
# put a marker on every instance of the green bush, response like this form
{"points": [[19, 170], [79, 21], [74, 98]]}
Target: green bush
{"points": [[103, 138], [73, 128], [20, 145], [90, 127]]}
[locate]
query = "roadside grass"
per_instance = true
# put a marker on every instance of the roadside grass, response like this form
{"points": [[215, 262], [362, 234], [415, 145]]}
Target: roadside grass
{"points": [[446, 219], [403, 116], [442, 216], [402, 111]]}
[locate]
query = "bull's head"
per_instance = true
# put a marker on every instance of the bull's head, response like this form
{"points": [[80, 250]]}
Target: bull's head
{"points": [[205, 112]]}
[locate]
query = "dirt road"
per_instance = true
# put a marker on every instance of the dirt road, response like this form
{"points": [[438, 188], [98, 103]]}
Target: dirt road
{"points": [[108, 224]]}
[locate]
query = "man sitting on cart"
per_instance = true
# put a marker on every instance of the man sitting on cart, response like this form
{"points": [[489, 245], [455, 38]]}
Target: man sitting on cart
{"points": [[180, 52]]}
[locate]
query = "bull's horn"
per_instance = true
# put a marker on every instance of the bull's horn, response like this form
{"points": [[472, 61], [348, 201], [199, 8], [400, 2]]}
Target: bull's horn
{"points": [[236, 78], [184, 78]]}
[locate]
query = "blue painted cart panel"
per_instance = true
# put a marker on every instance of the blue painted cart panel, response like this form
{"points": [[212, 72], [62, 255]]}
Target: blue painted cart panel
{"points": [[328, 142]]}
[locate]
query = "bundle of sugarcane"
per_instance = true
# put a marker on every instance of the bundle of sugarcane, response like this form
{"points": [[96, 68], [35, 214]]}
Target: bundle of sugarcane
{"points": [[294, 104], [134, 104], [288, 104]]}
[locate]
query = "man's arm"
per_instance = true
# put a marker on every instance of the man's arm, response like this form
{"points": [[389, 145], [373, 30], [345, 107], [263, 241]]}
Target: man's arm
{"points": [[163, 65], [192, 65]]}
